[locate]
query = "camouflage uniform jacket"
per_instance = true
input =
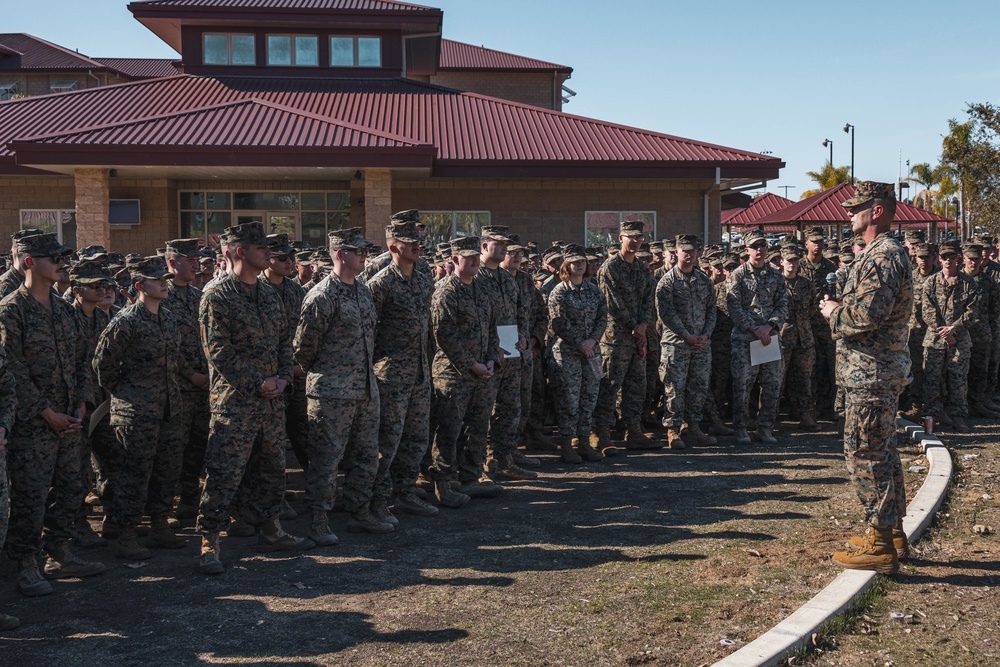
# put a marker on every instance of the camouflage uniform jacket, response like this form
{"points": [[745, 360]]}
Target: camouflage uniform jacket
{"points": [[45, 352], [685, 304], [10, 281], [723, 330], [797, 331], [536, 313], [184, 303], [8, 397], [137, 363], [502, 289], [376, 264], [335, 340], [464, 327], [988, 304], [245, 339], [869, 325], [841, 276], [292, 295], [549, 285], [917, 318], [755, 297], [403, 312], [576, 314], [91, 329], [955, 305], [629, 293], [816, 274]]}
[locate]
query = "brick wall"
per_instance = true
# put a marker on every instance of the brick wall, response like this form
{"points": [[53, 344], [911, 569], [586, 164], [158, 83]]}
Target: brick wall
{"points": [[158, 221], [526, 88], [18, 192]]}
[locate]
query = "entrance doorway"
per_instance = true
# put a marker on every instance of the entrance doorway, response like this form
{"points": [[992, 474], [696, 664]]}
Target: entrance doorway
{"points": [[274, 223]]}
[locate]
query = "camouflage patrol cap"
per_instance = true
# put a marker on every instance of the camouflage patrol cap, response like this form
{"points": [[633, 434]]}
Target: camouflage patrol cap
{"points": [[865, 191], [185, 247], [301, 245], [149, 268], [94, 252], [790, 252], [574, 253], [321, 258], [248, 232], [499, 233], [404, 231], [656, 247], [773, 254], [831, 253], [515, 243], [409, 215], [132, 258], [950, 248], [731, 262], [815, 235], [42, 245], [643, 252], [925, 250], [551, 253], [669, 245], [444, 248], [972, 251], [348, 239], [687, 242], [279, 245], [631, 228], [753, 237], [986, 240], [465, 246], [91, 273], [914, 236], [847, 245], [593, 253], [846, 256], [23, 233]]}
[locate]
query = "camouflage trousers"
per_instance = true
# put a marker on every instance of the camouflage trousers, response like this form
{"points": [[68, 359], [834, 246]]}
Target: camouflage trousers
{"points": [[506, 415], [654, 384], [150, 470], [342, 429], [744, 377], [946, 373], [102, 455], [624, 375], [461, 409], [722, 374], [685, 372], [913, 394], [797, 370], [297, 421], [403, 434], [539, 388], [872, 458], [192, 419], [577, 397], [4, 497], [527, 389], [825, 375], [982, 348], [45, 486], [245, 469], [993, 373]]}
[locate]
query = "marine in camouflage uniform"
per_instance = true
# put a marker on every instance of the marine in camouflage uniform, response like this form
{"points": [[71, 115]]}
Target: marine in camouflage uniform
{"points": [[756, 298], [13, 277], [402, 298], [685, 307], [49, 360], [249, 351], [948, 301], [987, 311], [536, 316], [464, 327], [870, 323], [543, 375], [798, 351], [577, 313], [913, 396], [627, 288], [722, 380], [815, 268], [137, 361], [8, 409], [341, 388]]}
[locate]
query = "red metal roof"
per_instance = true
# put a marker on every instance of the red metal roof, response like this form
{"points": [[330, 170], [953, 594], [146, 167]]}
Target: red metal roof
{"points": [[469, 131], [141, 68], [37, 54], [761, 206], [825, 209], [460, 56], [334, 5]]}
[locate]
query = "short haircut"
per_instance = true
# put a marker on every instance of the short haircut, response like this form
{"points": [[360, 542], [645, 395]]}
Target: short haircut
{"points": [[564, 270], [889, 204]]}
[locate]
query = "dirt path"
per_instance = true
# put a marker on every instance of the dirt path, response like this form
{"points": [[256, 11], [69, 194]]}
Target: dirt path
{"points": [[652, 558]]}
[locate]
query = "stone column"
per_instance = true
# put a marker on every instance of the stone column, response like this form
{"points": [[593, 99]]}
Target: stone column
{"points": [[92, 194], [378, 204]]}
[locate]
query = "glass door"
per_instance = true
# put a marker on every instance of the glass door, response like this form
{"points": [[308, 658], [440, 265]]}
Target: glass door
{"points": [[283, 223]]}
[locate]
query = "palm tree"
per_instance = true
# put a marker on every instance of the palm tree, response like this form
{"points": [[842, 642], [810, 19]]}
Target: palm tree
{"points": [[827, 178]]}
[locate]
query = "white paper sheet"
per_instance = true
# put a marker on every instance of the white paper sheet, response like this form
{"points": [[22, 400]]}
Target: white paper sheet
{"points": [[508, 340], [759, 354]]}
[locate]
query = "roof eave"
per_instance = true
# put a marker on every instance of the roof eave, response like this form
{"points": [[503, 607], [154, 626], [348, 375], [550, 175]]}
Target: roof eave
{"points": [[600, 169]]}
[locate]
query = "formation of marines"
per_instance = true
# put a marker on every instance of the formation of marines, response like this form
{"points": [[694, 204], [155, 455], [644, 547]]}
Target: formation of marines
{"points": [[171, 386]]}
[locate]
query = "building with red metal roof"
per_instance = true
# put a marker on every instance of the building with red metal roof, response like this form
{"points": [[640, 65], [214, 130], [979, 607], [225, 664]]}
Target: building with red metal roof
{"points": [[311, 115], [761, 206]]}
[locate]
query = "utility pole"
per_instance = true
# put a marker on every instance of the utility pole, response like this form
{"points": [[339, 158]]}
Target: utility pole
{"points": [[786, 188]]}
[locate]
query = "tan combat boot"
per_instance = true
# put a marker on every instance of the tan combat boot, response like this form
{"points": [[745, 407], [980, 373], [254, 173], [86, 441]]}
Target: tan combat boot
{"points": [[209, 562], [319, 529], [567, 450], [899, 541], [162, 535], [674, 440], [636, 439], [30, 581], [716, 427], [64, 564], [586, 451], [697, 437], [603, 444], [127, 546], [878, 554], [808, 423]]}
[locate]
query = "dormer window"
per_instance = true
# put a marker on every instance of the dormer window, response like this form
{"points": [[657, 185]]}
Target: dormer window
{"points": [[293, 50], [355, 51], [229, 49], [8, 89]]}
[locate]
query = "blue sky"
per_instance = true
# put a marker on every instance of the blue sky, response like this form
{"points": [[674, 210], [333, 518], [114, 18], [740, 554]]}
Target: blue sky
{"points": [[776, 76]]}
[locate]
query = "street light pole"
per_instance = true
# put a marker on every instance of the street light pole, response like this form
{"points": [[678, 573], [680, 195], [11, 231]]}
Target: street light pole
{"points": [[850, 128], [828, 142]]}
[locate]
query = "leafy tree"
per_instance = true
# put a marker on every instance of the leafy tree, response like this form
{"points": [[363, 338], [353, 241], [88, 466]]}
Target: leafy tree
{"points": [[972, 150], [827, 178]]}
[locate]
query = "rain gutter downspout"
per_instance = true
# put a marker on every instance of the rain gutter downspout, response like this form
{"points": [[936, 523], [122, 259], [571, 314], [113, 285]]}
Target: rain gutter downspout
{"points": [[406, 37], [93, 76], [715, 186]]}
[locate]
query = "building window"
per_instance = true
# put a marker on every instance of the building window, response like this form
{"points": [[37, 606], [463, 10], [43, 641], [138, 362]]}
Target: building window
{"points": [[601, 227], [8, 89], [293, 50], [355, 51], [442, 226], [63, 86], [61, 222], [227, 49], [307, 216]]}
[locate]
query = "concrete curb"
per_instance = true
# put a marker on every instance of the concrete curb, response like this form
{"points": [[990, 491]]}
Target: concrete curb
{"points": [[795, 631]]}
